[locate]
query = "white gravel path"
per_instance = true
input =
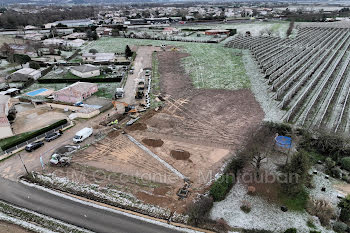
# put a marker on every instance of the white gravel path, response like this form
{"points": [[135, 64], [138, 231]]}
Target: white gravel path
{"points": [[259, 87], [263, 215]]}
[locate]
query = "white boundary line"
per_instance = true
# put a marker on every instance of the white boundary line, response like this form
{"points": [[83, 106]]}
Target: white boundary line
{"points": [[109, 209]]}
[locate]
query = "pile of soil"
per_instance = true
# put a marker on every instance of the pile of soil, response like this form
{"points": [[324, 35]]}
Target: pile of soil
{"points": [[153, 142], [180, 154], [113, 134], [114, 117], [138, 126]]}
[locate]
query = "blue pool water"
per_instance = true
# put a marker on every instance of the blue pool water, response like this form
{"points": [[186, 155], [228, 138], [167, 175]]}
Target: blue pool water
{"points": [[36, 92]]}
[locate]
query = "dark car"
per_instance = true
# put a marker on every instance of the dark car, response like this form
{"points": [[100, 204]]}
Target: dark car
{"points": [[33, 146], [52, 136]]}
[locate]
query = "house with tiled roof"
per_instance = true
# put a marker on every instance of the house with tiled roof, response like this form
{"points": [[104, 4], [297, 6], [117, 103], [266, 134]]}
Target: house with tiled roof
{"points": [[85, 71], [76, 92]]}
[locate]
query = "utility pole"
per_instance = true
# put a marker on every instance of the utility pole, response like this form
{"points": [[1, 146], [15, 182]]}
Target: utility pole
{"points": [[23, 164]]}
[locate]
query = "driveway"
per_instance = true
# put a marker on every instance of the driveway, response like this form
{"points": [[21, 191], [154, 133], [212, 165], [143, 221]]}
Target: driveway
{"points": [[142, 60]]}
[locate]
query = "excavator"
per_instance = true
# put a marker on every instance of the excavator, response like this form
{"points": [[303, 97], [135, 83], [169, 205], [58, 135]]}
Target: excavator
{"points": [[127, 107]]}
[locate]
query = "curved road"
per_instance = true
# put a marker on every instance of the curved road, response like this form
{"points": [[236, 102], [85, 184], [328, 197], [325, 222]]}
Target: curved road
{"points": [[75, 213]]}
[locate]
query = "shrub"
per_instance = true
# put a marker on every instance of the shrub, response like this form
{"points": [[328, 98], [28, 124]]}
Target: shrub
{"points": [[327, 144], [346, 178], [310, 222], [345, 163], [340, 227], [280, 128], [329, 164], [235, 165], [34, 65], [297, 171], [221, 187], [315, 232], [246, 207], [336, 172], [256, 231], [198, 211], [93, 51], [291, 230], [344, 206], [322, 209], [221, 225]]}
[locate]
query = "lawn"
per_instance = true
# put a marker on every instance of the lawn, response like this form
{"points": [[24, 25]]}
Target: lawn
{"points": [[210, 65], [106, 90], [277, 28]]}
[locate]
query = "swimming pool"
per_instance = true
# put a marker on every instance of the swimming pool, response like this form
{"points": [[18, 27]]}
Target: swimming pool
{"points": [[37, 92]]}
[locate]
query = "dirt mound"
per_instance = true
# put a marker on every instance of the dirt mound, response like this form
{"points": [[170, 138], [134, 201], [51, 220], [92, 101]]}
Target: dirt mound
{"points": [[161, 191], [114, 117], [138, 126], [113, 134], [153, 142], [180, 154]]}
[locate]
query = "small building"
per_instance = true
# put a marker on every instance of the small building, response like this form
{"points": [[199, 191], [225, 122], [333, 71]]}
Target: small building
{"points": [[104, 31], [22, 49], [75, 35], [76, 92], [217, 32], [99, 57], [54, 41], [170, 30], [85, 71], [11, 92], [24, 75], [71, 23], [75, 43], [34, 36], [5, 126]]}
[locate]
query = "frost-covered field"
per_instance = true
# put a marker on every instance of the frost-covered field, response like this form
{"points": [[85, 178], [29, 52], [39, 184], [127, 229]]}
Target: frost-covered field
{"points": [[265, 215], [277, 29], [122, 199], [210, 65], [259, 87]]}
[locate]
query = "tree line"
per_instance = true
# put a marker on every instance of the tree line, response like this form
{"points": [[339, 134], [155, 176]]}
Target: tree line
{"points": [[11, 19]]}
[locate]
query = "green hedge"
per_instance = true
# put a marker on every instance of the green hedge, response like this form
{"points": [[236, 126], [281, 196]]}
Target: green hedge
{"points": [[221, 187], [18, 139], [345, 163]]}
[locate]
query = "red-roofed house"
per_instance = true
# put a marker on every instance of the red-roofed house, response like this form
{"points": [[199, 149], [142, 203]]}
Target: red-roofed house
{"points": [[76, 92]]}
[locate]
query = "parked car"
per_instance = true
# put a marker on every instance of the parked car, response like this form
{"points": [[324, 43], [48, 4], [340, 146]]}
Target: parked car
{"points": [[52, 136], [82, 135], [33, 146]]}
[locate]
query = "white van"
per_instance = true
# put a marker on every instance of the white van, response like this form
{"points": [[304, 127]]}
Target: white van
{"points": [[82, 135]]}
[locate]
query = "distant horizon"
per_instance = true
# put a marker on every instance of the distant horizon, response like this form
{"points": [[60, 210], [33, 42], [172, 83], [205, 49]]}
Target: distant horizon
{"points": [[102, 2]]}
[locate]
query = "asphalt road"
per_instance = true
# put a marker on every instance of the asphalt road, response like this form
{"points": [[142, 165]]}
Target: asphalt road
{"points": [[94, 219]]}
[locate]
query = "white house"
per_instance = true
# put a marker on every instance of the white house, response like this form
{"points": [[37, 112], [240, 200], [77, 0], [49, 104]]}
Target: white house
{"points": [[54, 41], [75, 43], [71, 23], [98, 57], [85, 71], [24, 75]]}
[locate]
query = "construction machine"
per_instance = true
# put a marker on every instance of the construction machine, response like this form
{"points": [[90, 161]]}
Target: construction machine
{"points": [[127, 107], [59, 160]]}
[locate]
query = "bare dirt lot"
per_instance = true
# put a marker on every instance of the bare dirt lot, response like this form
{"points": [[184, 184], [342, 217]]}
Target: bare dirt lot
{"points": [[36, 118], [195, 133], [8, 227]]}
